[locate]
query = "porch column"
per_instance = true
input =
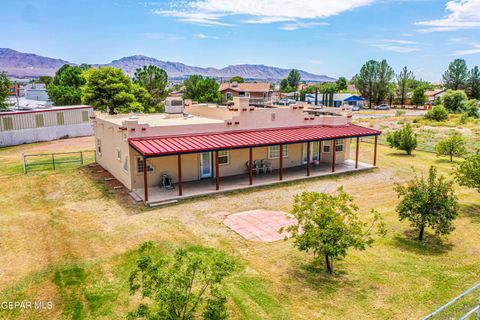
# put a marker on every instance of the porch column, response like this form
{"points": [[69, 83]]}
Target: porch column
{"points": [[281, 162], [250, 165], [308, 159], [217, 174], [145, 180], [375, 152], [356, 152], [333, 145], [179, 174]]}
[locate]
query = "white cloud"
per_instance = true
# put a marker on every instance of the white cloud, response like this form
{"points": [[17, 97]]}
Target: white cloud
{"points": [[299, 13], [204, 36], [393, 48], [461, 14], [398, 41], [474, 50]]}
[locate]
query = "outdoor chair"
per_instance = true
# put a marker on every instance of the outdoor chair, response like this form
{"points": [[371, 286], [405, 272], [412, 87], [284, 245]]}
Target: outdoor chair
{"points": [[167, 182], [257, 166], [266, 165]]}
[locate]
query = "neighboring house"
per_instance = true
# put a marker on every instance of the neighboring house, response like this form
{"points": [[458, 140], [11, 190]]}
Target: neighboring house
{"points": [[212, 148], [257, 92], [434, 95], [339, 99], [27, 126]]}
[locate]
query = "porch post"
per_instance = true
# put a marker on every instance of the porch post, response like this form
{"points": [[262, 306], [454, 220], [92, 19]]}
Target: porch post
{"points": [[217, 174], [356, 152], [179, 174], [333, 145], [250, 165], [308, 159], [281, 162], [375, 152], [145, 180]]}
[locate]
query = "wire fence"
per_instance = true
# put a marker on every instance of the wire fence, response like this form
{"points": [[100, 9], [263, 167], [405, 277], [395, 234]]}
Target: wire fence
{"points": [[465, 306], [57, 160]]}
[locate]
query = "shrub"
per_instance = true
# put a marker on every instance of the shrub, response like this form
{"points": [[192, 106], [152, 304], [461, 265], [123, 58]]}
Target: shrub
{"points": [[453, 100], [470, 107], [452, 146], [403, 139], [399, 113], [437, 113], [467, 173]]}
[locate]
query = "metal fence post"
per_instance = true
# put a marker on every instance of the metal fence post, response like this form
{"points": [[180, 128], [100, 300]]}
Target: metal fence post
{"points": [[53, 161], [81, 157], [24, 164]]}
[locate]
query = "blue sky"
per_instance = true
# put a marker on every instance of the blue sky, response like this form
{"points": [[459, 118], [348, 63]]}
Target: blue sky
{"points": [[333, 37]]}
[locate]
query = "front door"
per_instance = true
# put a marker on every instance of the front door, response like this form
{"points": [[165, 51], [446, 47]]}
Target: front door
{"points": [[206, 167], [314, 152]]}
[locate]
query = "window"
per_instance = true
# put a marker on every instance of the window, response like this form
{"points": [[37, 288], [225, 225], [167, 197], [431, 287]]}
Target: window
{"points": [[118, 153], [60, 118], [7, 124], [223, 157], [39, 121], [274, 151], [326, 147], [85, 116], [140, 167], [125, 164], [99, 146], [339, 145]]}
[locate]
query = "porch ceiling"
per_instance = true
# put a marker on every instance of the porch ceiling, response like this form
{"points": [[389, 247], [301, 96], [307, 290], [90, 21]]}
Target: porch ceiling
{"points": [[158, 146]]}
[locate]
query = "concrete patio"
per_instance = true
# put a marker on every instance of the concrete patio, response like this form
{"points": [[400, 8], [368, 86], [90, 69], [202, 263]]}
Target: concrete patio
{"points": [[158, 195]]}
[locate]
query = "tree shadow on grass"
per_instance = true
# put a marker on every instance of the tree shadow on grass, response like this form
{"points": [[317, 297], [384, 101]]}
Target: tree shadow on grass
{"points": [[471, 211], [314, 275], [432, 245], [401, 154]]}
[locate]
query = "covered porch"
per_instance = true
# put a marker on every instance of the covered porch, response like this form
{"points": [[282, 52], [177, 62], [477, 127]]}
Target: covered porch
{"points": [[240, 182]]}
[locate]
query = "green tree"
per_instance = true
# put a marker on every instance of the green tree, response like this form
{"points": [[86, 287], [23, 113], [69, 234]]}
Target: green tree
{"points": [[403, 139], [4, 90], [454, 100], [428, 202], [46, 80], [154, 80], [294, 78], [437, 113], [189, 286], [373, 81], [237, 79], [470, 108], [454, 145], [109, 89], [455, 78], [419, 98], [65, 88], [342, 84], [467, 173], [404, 85], [329, 225], [473, 83], [202, 89]]}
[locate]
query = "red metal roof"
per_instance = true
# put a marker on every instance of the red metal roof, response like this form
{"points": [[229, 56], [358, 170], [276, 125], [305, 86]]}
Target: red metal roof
{"points": [[158, 146]]}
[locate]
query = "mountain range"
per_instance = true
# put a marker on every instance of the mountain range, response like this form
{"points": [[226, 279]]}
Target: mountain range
{"points": [[28, 65]]}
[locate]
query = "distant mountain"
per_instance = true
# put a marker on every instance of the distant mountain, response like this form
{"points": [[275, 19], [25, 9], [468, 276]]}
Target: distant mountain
{"points": [[24, 65]]}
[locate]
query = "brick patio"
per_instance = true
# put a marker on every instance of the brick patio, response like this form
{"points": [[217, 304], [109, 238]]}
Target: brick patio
{"points": [[259, 225]]}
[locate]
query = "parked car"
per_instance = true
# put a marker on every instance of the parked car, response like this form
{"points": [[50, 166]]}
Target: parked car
{"points": [[286, 102], [356, 108], [382, 107]]}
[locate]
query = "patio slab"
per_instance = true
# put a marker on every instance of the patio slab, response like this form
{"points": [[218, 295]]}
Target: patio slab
{"points": [[259, 225]]}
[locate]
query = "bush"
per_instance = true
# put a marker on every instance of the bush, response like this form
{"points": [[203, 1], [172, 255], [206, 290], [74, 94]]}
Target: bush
{"points": [[437, 113], [453, 100], [403, 139], [400, 113], [452, 146], [470, 108]]}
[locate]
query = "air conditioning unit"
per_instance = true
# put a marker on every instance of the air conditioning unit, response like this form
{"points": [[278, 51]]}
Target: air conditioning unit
{"points": [[174, 105]]}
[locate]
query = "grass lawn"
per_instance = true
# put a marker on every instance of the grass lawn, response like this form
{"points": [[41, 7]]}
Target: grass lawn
{"points": [[65, 239]]}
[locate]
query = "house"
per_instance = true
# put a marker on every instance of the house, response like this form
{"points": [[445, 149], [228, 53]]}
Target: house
{"points": [[339, 99], [434, 95], [44, 124], [258, 92], [210, 148]]}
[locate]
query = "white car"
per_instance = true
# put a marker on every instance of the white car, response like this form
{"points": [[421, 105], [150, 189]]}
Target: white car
{"points": [[382, 107]]}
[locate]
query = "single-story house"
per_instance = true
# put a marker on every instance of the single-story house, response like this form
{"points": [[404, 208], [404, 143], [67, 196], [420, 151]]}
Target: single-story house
{"points": [[258, 92], [35, 125], [434, 95], [339, 99], [210, 148]]}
